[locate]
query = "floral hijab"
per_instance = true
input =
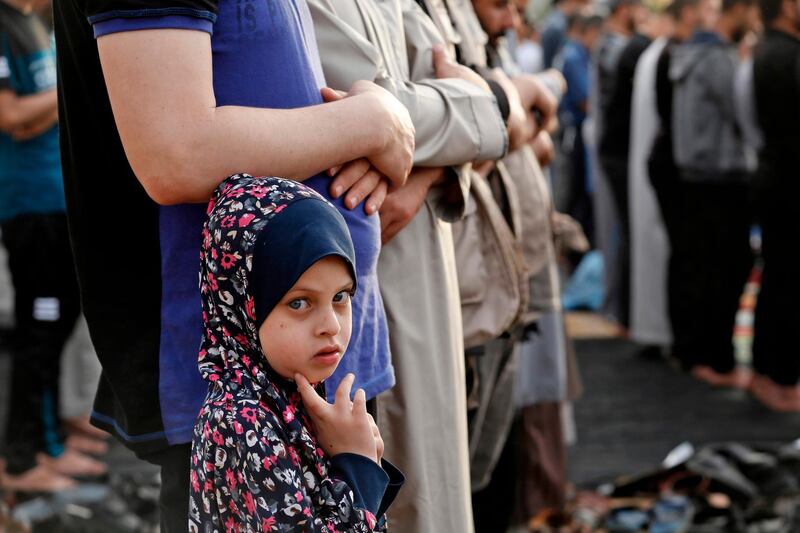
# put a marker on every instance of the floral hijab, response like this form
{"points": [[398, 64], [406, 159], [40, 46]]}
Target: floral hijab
{"points": [[256, 465]]}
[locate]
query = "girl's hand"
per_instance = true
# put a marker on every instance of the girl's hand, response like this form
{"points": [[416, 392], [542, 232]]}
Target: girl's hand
{"points": [[345, 426]]}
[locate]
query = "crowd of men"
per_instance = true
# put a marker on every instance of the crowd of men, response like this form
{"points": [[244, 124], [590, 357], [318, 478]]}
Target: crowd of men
{"points": [[663, 123], [686, 151]]}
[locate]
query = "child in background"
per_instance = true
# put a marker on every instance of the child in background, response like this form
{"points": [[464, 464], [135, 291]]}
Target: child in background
{"points": [[269, 453]]}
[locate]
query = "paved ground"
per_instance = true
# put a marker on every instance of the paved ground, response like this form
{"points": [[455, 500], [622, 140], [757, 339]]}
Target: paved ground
{"points": [[636, 409]]}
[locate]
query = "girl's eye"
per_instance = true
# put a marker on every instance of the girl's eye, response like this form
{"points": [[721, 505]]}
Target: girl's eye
{"points": [[298, 304], [341, 297]]}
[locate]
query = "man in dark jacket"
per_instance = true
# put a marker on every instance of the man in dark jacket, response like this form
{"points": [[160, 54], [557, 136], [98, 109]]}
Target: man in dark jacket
{"points": [[661, 163], [709, 153], [614, 145], [611, 229], [776, 75]]}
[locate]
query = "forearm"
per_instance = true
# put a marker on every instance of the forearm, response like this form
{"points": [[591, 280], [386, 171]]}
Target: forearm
{"points": [[17, 111], [456, 121], [181, 145], [186, 160], [36, 127], [453, 119]]}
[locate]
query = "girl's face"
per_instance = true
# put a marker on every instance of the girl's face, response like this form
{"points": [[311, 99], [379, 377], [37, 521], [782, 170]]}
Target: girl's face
{"points": [[308, 331]]}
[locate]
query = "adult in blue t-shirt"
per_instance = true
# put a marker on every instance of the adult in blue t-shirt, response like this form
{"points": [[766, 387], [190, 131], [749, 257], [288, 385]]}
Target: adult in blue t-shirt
{"points": [[185, 93]]}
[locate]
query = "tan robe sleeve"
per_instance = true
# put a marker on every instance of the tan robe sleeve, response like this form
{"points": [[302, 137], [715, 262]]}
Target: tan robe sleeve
{"points": [[456, 121]]}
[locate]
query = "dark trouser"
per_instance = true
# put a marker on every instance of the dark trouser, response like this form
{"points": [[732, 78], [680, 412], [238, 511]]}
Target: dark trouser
{"points": [[173, 501], [46, 307], [493, 506], [775, 352], [667, 186], [712, 258], [531, 473], [579, 203], [616, 171], [543, 459]]}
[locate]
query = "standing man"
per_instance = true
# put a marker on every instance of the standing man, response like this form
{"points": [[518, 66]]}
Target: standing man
{"points": [[537, 344], [612, 171], [574, 63], [776, 73], [614, 146], [34, 231], [555, 32], [713, 244], [184, 93], [396, 45], [689, 16], [649, 324]]}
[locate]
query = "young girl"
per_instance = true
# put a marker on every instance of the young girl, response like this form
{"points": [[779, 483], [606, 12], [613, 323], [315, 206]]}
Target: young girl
{"points": [[277, 273]]}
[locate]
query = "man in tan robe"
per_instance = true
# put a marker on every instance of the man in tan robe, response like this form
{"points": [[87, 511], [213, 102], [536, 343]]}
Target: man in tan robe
{"points": [[423, 419], [542, 364]]}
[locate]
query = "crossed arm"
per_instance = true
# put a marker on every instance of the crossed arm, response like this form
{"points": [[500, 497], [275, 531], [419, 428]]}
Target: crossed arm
{"points": [[18, 112], [181, 145]]}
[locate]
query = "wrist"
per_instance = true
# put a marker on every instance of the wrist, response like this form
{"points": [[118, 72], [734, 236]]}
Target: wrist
{"points": [[372, 114]]}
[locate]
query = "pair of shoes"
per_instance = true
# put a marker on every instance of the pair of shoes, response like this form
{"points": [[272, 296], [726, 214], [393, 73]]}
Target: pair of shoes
{"points": [[781, 398], [738, 378]]}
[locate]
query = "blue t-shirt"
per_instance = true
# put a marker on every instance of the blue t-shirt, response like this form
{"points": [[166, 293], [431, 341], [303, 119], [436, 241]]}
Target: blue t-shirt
{"points": [[30, 171], [264, 55]]}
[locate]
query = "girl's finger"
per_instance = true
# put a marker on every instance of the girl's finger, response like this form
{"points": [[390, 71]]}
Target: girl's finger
{"points": [[360, 403], [362, 188], [343, 392], [376, 198], [348, 175], [315, 404]]}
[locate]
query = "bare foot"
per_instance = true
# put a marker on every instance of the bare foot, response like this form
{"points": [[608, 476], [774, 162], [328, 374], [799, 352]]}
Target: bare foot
{"points": [[738, 378], [38, 479], [85, 444], [82, 424], [781, 398], [73, 463]]}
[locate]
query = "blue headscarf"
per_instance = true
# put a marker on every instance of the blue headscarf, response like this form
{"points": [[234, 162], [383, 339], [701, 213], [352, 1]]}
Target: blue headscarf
{"points": [[260, 236], [304, 233]]}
